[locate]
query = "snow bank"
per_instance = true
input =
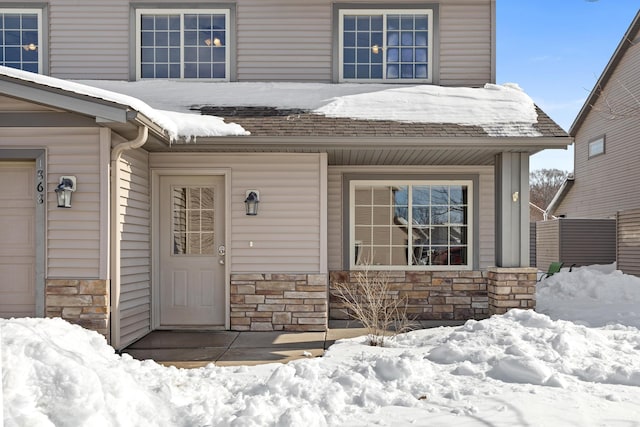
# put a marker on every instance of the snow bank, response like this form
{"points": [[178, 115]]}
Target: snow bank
{"points": [[593, 296], [521, 368], [59, 374]]}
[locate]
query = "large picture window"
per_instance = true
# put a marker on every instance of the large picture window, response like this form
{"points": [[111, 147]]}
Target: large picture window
{"points": [[386, 45], [410, 224], [181, 44], [21, 39]]}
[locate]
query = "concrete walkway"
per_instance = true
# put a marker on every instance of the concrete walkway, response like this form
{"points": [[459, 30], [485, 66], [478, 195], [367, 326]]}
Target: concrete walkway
{"points": [[194, 349]]}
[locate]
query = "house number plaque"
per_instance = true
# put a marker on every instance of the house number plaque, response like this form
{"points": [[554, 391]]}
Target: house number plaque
{"points": [[40, 186]]}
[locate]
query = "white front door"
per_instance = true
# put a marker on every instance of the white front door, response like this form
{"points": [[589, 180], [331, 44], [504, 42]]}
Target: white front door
{"points": [[18, 250], [191, 252]]}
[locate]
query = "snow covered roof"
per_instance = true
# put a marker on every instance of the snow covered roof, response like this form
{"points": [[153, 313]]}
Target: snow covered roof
{"points": [[177, 124], [493, 110], [320, 109]]}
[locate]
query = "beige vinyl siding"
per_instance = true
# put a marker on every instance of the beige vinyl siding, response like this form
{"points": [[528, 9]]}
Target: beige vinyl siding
{"points": [[547, 243], [73, 235], [135, 246], [465, 43], [89, 39], [286, 231], [628, 239], [486, 220], [15, 105], [607, 183], [286, 40]]}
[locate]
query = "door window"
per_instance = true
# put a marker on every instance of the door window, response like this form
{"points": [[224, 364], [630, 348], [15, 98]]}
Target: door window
{"points": [[193, 220]]}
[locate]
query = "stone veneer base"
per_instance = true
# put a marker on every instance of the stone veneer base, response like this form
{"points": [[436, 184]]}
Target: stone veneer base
{"points": [[450, 295], [430, 295], [83, 302], [278, 302]]}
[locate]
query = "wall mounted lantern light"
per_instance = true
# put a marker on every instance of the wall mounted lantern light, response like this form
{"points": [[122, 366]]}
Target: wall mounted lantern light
{"points": [[64, 189], [251, 202]]}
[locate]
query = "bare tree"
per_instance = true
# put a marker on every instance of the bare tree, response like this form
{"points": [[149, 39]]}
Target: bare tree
{"points": [[544, 184]]}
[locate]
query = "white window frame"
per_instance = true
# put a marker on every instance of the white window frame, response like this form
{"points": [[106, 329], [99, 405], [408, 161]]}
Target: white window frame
{"points": [[597, 147], [384, 13], [399, 182], [182, 12], [38, 13]]}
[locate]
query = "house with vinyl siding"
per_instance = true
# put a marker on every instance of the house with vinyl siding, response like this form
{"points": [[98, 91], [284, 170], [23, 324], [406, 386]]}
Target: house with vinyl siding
{"points": [[606, 135], [599, 200], [159, 234]]}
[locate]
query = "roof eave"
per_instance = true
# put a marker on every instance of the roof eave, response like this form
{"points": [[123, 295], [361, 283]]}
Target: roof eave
{"points": [[623, 46], [522, 144], [104, 111]]}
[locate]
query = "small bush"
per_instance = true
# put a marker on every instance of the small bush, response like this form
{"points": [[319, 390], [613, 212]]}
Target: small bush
{"points": [[371, 301]]}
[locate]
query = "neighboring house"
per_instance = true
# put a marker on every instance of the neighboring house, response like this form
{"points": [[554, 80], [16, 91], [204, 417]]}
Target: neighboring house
{"points": [[427, 180], [606, 132]]}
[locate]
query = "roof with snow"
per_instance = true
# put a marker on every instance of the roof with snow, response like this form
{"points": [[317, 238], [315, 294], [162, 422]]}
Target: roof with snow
{"points": [[269, 121], [353, 123]]}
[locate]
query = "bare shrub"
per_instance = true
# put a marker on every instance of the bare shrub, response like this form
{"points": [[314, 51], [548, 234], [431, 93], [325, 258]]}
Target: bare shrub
{"points": [[371, 301]]}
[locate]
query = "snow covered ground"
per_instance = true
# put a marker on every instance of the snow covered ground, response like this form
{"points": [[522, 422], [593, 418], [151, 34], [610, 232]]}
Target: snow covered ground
{"points": [[522, 368]]}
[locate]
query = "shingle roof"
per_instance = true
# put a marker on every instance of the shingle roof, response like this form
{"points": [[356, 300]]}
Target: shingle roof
{"points": [[269, 121]]}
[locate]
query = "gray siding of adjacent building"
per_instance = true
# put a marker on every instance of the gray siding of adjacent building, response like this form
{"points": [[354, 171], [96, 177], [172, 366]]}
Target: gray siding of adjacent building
{"points": [[628, 234], [604, 183], [288, 40]]}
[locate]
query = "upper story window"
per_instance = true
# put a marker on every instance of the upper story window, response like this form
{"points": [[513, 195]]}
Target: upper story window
{"points": [[385, 45], [21, 39], [596, 147], [182, 44], [410, 224]]}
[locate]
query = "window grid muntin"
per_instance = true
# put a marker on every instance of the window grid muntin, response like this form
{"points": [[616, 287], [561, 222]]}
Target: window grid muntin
{"points": [[454, 250], [428, 13], [28, 58], [219, 67], [193, 220]]}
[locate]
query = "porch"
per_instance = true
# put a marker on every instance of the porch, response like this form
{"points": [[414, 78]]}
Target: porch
{"points": [[194, 349]]}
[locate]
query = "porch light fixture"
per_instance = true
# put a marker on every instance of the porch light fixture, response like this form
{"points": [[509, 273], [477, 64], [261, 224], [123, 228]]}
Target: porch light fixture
{"points": [[64, 189], [251, 202]]}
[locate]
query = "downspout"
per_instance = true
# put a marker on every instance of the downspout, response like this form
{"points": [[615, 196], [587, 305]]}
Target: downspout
{"points": [[116, 152]]}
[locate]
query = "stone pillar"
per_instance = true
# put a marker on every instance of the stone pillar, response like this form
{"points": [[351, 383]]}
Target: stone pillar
{"points": [[511, 288], [83, 302]]}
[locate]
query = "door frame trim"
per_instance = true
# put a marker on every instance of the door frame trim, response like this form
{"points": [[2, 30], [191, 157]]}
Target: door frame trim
{"points": [[39, 156], [156, 173]]}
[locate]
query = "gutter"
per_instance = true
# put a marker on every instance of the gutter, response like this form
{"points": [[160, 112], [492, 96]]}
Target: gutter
{"points": [[562, 192], [116, 152]]}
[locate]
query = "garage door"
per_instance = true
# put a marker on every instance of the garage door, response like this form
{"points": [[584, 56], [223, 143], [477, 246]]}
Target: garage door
{"points": [[17, 239]]}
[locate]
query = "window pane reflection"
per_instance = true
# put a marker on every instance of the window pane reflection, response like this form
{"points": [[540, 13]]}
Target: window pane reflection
{"points": [[193, 220]]}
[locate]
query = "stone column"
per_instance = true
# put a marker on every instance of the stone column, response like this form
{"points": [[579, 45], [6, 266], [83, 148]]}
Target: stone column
{"points": [[509, 288]]}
